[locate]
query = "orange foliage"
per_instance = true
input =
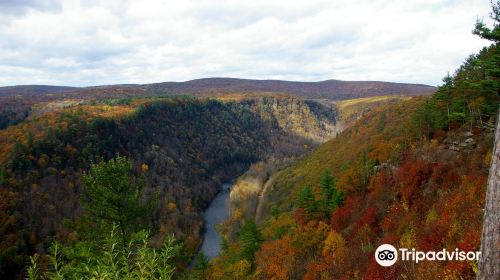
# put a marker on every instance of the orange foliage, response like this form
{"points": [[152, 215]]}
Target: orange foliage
{"points": [[276, 259]]}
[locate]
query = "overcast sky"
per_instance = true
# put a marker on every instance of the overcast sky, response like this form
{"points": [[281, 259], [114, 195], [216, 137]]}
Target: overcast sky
{"points": [[97, 42]]}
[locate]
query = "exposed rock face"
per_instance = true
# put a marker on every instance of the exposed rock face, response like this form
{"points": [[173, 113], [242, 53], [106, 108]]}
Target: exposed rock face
{"points": [[310, 120], [489, 264]]}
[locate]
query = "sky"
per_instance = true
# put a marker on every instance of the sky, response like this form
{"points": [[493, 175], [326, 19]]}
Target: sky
{"points": [[100, 42]]}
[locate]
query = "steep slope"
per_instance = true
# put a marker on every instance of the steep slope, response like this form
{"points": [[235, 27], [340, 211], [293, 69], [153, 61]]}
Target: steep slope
{"points": [[251, 191], [398, 190], [185, 147], [411, 174]]}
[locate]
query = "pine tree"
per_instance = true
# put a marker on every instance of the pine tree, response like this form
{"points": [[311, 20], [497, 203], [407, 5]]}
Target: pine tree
{"points": [[306, 200], [251, 238], [201, 264], [492, 34], [113, 196], [331, 197]]}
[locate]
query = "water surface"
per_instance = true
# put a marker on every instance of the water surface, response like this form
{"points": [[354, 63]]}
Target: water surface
{"points": [[216, 213]]}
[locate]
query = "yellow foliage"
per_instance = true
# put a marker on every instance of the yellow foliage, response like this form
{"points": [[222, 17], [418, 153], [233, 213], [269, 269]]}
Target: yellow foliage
{"points": [[240, 269], [352, 107], [408, 240], [284, 220], [487, 158], [171, 206], [335, 246], [432, 217], [144, 168], [237, 214]]}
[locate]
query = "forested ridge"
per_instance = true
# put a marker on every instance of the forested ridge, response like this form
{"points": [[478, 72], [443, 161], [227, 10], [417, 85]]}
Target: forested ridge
{"points": [[111, 182], [184, 147], [18, 103], [411, 174]]}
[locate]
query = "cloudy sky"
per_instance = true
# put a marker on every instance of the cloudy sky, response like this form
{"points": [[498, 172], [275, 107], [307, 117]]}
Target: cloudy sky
{"points": [[95, 42]]}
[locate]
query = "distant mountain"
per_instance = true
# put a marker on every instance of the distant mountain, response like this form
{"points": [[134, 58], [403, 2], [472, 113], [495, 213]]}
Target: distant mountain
{"points": [[329, 89], [33, 89]]}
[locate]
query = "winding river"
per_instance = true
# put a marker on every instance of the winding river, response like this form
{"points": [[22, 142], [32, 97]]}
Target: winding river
{"points": [[216, 213]]}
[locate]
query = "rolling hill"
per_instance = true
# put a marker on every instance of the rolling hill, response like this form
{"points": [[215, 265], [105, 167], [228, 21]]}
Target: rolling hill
{"points": [[329, 89]]}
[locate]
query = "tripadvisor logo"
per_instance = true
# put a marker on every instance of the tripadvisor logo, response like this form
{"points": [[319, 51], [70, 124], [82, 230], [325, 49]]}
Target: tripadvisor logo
{"points": [[387, 255]]}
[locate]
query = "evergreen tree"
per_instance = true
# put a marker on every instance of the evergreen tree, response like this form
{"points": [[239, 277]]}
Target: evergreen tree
{"points": [[251, 239], [490, 85], [201, 264], [113, 196], [492, 34], [331, 197], [306, 200]]}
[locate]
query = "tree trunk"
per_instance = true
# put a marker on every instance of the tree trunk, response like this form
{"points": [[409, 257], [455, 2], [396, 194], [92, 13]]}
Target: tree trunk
{"points": [[489, 264]]}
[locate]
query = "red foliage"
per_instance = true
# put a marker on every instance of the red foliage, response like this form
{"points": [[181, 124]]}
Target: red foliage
{"points": [[461, 268], [368, 218], [392, 217], [380, 183], [376, 272], [454, 126], [444, 176], [439, 135], [433, 239], [470, 241], [315, 269], [300, 216], [342, 216], [411, 175]]}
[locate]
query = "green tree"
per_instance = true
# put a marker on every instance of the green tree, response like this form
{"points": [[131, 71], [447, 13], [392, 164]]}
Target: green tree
{"points": [[113, 196], [200, 266], [331, 198], [103, 259], [251, 239], [490, 85], [306, 200], [492, 34]]}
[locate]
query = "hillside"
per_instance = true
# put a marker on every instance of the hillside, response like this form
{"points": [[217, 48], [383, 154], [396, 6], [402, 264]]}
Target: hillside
{"points": [[188, 147], [329, 89], [33, 90], [412, 174], [20, 102]]}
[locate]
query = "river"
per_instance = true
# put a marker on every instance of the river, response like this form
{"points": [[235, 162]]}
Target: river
{"points": [[216, 213]]}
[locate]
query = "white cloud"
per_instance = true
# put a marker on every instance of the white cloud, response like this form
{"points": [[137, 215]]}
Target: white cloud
{"points": [[106, 42]]}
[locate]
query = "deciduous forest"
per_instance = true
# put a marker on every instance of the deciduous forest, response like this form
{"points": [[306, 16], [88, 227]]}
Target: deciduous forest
{"points": [[112, 182]]}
